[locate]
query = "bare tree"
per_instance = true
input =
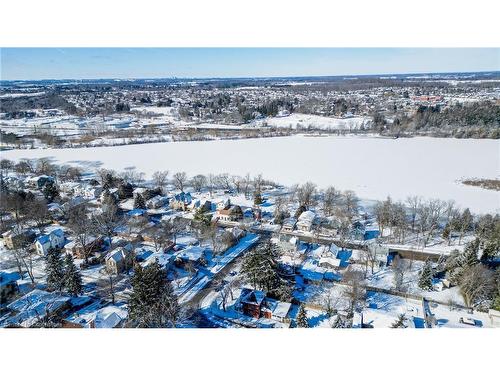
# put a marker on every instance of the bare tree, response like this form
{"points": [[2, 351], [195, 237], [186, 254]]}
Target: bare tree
{"points": [[330, 199], [180, 179], [107, 221], [237, 183], [246, 183], [199, 182], [477, 284], [106, 287], [350, 203], [225, 181], [436, 208], [160, 179], [306, 195], [413, 204], [354, 291], [400, 268], [37, 211], [211, 183], [82, 228], [23, 256], [258, 181]]}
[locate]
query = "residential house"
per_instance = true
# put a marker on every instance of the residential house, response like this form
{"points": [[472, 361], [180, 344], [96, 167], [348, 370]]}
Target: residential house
{"points": [[191, 257], [256, 304], [289, 224], [75, 248], [89, 191], [54, 240], [251, 301], [39, 182], [181, 201], [34, 306], [97, 316], [157, 201], [119, 260], [305, 221], [16, 237], [233, 213], [329, 262]]}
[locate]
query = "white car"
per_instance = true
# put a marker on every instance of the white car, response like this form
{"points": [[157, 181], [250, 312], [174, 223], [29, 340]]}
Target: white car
{"points": [[468, 321]]}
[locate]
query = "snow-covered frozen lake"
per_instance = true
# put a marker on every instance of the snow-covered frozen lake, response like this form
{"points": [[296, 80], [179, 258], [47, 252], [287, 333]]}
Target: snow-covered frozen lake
{"points": [[373, 167]]}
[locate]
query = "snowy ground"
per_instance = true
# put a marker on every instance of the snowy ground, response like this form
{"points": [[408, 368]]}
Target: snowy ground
{"points": [[309, 122], [373, 167]]}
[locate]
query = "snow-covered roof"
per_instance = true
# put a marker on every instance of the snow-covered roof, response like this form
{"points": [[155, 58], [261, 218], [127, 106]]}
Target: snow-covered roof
{"points": [[118, 254], [254, 297], [33, 306], [192, 253], [307, 216], [162, 258], [281, 310], [334, 262]]}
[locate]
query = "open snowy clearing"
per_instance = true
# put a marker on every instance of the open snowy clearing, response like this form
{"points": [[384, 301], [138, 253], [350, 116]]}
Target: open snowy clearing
{"points": [[373, 167], [310, 122]]}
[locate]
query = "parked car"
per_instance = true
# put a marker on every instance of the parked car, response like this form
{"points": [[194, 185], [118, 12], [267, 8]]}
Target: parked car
{"points": [[468, 321]]}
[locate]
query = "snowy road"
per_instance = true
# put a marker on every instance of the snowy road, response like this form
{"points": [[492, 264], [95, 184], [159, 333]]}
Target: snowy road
{"points": [[244, 244]]}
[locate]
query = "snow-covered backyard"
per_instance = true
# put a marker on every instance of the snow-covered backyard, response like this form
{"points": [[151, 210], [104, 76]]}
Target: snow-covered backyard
{"points": [[313, 122], [373, 167]]}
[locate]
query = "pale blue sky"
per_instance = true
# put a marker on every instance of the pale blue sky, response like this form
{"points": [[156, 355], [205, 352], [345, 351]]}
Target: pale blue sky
{"points": [[90, 63]]}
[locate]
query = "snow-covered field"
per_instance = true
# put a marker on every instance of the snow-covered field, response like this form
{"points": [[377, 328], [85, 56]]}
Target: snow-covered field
{"points": [[373, 167], [309, 122]]}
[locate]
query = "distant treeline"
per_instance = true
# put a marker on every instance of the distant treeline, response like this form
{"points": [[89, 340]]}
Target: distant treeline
{"points": [[476, 120]]}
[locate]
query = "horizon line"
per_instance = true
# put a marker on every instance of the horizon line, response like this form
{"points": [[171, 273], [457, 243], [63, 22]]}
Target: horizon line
{"points": [[249, 77]]}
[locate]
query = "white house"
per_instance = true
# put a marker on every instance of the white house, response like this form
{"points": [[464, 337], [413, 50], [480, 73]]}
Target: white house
{"points": [[289, 224], [157, 202], [54, 240], [119, 260], [305, 221]]}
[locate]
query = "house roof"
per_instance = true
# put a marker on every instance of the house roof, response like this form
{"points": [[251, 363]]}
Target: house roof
{"points": [[192, 253], [43, 239], [254, 297], [34, 305], [8, 277], [307, 216], [334, 262], [118, 254], [57, 232], [281, 309]]}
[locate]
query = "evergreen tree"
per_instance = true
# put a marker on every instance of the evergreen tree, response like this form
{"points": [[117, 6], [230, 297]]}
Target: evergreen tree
{"points": [[260, 267], [54, 270], [302, 318], [139, 202], [125, 190], [470, 254], [339, 323], [400, 322], [299, 211], [200, 217], [152, 302], [257, 198], [425, 280], [50, 191], [72, 277], [496, 303]]}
